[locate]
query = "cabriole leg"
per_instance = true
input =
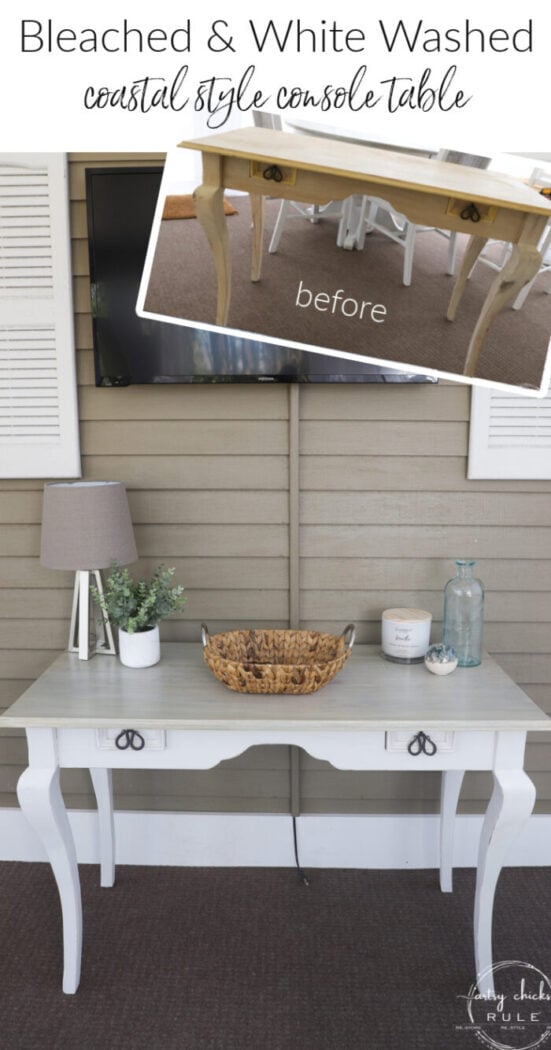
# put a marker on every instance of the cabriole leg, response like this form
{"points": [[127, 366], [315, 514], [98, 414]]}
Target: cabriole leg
{"points": [[509, 808], [209, 206], [102, 781], [449, 797], [42, 803]]}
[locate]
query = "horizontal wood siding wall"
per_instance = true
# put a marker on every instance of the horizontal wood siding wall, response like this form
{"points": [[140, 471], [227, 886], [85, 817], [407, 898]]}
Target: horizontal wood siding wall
{"points": [[207, 474], [385, 507]]}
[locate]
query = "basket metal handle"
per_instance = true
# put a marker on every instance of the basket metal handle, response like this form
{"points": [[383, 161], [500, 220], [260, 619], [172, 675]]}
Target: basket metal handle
{"points": [[205, 636], [349, 635]]}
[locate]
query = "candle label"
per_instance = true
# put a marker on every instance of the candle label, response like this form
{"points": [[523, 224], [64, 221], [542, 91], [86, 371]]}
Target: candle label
{"points": [[405, 639]]}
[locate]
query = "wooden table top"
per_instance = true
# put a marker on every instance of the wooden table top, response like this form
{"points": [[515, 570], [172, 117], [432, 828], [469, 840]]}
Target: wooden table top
{"points": [[181, 693], [387, 167]]}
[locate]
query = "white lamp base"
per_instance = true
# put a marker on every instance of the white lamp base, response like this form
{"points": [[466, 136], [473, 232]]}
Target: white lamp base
{"points": [[79, 631]]}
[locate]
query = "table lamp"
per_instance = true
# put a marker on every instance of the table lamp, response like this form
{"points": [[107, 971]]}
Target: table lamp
{"points": [[86, 525]]}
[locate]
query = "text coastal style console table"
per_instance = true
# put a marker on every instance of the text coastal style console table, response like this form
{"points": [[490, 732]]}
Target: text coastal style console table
{"points": [[429, 192], [364, 720]]}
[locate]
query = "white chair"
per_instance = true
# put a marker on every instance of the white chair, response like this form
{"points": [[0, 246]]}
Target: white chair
{"points": [[398, 228], [540, 178], [294, 209]]}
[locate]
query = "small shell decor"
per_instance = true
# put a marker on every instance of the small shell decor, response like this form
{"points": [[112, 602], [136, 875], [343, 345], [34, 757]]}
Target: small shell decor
{"points": [[441, 659]]}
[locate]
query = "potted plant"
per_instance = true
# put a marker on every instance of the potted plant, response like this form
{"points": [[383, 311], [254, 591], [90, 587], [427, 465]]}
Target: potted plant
{"points": [[136, 608]]}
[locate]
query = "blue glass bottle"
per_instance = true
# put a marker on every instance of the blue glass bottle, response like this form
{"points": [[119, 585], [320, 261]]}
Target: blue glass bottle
{"points": [[463, 612]]}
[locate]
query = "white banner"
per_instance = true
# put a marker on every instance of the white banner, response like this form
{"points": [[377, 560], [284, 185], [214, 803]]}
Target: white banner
{"points": [[123, 77]]}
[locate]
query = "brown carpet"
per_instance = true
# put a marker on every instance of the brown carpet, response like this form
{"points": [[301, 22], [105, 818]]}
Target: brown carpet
{"points": [[415, 330], [250, 959], [182, 206]]}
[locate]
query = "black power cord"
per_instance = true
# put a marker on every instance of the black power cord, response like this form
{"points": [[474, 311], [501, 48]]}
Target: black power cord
{"points": [[300, 871]]}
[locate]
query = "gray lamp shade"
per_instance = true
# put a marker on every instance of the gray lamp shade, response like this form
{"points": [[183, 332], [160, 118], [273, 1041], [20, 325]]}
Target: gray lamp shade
{"points": [[86, 525]]}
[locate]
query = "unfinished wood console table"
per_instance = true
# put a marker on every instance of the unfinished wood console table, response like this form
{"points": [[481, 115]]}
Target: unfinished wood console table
{"points": [[364, 720], [432, 193]]}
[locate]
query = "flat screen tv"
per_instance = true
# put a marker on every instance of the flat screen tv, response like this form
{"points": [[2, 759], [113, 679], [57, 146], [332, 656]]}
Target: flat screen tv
{"points": [[130, 349]]}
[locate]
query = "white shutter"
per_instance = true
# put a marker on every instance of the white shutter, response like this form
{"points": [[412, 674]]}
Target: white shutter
{"points": [[38, 399], [510, 435]]}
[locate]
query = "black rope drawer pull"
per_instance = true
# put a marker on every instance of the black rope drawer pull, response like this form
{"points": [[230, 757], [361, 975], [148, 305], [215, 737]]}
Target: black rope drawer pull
{"points": [[130, 738], [273, 173], [471, 212], [422, 744]]}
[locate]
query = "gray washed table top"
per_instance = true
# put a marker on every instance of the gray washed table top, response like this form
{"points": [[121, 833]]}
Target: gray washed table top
{"points": [[180, 692]]}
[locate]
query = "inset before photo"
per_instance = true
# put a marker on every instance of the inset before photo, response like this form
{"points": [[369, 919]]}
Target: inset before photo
{"points": [[429, 258]]}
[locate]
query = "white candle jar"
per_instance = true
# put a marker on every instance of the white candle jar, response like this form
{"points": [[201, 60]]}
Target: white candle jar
{"points": [[406, 634]]}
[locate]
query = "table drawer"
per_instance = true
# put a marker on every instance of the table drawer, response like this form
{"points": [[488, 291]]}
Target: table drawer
{"points": [[444, 749], [274, 173], [161, 748], [131, 739], [419, 743], [427, 748], [271, 179], [136, 748], [470, 212]]}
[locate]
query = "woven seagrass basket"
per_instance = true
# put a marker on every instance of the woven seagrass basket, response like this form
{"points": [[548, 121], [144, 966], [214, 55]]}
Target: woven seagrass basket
{"points": [[276, 661]]}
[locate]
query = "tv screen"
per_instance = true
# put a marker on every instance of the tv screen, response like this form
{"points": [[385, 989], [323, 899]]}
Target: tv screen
{"points": [[130, 349]]}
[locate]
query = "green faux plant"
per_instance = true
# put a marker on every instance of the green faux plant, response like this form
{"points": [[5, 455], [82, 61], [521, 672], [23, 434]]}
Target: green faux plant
{"points": [[139, 606]]}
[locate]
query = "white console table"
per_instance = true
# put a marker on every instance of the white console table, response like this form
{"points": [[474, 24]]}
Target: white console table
{"points": [[363, 720]]}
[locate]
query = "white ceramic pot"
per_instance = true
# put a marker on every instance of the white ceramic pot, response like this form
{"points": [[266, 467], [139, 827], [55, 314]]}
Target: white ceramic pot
{"points": [[141, 649]]}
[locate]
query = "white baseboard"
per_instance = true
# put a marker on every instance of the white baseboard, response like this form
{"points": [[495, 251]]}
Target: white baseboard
{"points": [[265, 840]]}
